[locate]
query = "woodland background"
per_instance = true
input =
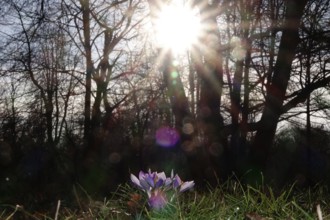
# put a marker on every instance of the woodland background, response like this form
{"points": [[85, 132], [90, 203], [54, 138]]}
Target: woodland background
{"points": [[84, 90]]}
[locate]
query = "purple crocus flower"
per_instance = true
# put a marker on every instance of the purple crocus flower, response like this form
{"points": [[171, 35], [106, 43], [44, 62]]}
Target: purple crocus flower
{"points": [[150, 180], [186, 186], [183, 186], [156, 185]]}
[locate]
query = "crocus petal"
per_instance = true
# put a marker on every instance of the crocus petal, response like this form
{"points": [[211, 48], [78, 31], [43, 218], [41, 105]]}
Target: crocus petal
{"points": [[150, 180], [159, 183], [161, 176], [176, 181], [168, 182], [160, 179], [186, 185], [144, 184], [141, 175], [136, 181]]}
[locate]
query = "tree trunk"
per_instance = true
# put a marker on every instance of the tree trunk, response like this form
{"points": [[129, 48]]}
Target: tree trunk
{"points": [[172, 80], [49, 107], [89, 66], [276, 90], [208, 65], [178, 99], [236, 110]]}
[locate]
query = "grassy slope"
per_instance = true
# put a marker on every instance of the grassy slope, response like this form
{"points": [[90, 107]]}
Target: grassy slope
{"points": [[229, 201]]}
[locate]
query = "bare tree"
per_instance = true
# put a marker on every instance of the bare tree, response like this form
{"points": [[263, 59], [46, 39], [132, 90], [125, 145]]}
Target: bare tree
{"points": [[276, 90], [40, 55]]}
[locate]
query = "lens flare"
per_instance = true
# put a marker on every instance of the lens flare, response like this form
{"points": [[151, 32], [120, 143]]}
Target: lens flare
{"points": [[188, 128], [238, 51], [174, 74], [177, 27], [167, 137]]}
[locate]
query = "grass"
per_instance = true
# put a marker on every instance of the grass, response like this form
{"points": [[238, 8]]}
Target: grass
{"points": [[228, 201]]}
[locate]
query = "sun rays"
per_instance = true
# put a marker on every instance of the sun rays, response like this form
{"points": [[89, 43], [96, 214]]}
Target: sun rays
{"points": [[177, 27]]}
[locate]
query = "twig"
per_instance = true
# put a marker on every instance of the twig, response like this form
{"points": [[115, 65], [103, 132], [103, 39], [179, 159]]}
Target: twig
{"points": [[57, 209], [319, 212], [13, 213]]}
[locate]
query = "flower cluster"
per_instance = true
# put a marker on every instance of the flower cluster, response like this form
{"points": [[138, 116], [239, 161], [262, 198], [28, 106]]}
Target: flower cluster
{"points": [[157, 186]]}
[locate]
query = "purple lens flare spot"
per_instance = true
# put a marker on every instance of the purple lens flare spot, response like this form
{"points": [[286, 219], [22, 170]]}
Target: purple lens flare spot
{"points": [[167, 137]]}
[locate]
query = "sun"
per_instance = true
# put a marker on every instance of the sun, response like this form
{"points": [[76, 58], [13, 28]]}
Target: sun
{"points": [[177, 27]]}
